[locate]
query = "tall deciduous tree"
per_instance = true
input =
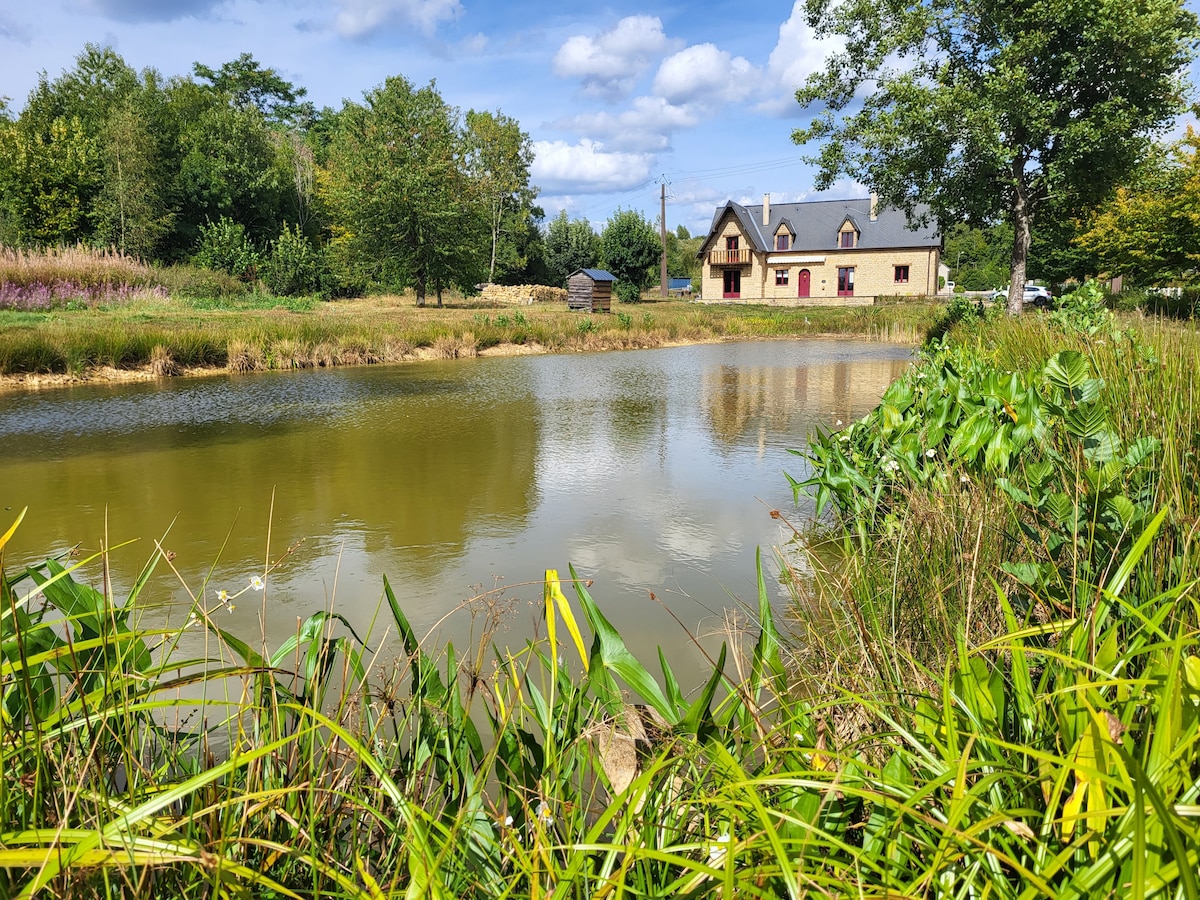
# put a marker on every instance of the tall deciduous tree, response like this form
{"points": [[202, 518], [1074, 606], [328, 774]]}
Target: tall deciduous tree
{"points": [[247, 84], [1150, 229], [631, 247], [570, 245], [498, 157], [396, 183], [990, 108]]}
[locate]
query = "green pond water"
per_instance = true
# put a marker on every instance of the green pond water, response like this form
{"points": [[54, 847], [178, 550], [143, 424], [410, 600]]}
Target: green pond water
{"points": [[653, 472]]}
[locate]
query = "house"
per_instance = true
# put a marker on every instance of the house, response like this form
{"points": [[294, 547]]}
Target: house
{"points": [[820, 252]]}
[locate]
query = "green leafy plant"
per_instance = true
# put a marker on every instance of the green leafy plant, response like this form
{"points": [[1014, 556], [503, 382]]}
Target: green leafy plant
{"points": [[224, 247]]}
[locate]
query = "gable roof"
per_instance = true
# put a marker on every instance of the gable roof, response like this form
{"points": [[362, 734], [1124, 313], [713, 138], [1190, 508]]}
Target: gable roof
{"points": [[595, 274], [815, 225]]}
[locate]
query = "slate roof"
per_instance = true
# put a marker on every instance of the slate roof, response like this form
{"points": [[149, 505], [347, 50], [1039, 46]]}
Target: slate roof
{"points": [[596, 274], [815, 224]]}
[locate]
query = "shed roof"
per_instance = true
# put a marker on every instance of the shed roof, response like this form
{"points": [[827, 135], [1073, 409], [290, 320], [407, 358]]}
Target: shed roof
{"points": [[595, 274], [815, 224]]}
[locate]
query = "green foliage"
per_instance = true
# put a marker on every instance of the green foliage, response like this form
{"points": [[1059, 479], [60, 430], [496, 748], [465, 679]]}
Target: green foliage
{"points": [[497, 159], [1149, 230], [631, 248], [991, 121], [224, 247], [1045, 437], [398, 183], [570, 245], [1084, 310], [244, 83], [627, 292], [293, 266]]}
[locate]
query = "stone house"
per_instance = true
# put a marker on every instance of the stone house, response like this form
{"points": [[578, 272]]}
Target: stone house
{"points": [[817, 253]]}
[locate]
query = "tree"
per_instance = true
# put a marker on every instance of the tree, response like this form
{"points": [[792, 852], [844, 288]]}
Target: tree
{"points": [[400, 198], [570, 245], [1150, 229], [990, 108], [681, 253], [498, 158], [247, 84], [631, 248], [131, 211]]}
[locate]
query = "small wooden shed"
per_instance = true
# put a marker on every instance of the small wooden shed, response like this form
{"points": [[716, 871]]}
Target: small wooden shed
{"points": [[590, 289]]}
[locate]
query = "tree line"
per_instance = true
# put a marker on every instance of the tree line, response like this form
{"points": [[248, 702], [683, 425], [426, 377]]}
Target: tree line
{"points": [[231, 168]]}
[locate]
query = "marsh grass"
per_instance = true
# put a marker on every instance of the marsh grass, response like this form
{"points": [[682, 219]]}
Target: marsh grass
{"points": [[387, 329]]}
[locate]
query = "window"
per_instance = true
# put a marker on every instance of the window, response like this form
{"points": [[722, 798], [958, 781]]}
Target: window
{"points": [[846, 282], [781, 242], [731, 243], [901, 275], [847, 240], [781, 277]]}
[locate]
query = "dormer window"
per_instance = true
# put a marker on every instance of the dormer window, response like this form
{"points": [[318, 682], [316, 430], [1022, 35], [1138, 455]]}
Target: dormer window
{"points": [[847, 240], [782, 240]]}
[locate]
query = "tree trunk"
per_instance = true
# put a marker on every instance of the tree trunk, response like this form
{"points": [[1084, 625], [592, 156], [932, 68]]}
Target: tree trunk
{"points": [[495, 240], [421, 290], [1022, 218]]}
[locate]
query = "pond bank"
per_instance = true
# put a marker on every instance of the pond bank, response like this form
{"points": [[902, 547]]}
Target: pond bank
{"points": [[168, 340]]}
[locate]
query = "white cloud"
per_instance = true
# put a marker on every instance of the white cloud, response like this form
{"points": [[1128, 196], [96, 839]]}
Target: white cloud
{"points": [[585, 167], [645, 127], [360, 17], [703, 73], [610, 63], [798, 54]]}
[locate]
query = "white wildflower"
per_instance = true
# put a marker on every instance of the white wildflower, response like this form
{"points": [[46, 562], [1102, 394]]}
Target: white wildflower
{"points": [[545, 816], [256, 583], [963, 479], [508, 820], [931, 453], [891, 466], [716, 850]]}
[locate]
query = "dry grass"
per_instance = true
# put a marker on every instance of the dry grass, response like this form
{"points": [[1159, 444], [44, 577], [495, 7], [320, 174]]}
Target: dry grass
{"points": [[393, 328], [78, 265]]}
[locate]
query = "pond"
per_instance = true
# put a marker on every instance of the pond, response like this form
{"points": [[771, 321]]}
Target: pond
{"points": [[653, 472]]}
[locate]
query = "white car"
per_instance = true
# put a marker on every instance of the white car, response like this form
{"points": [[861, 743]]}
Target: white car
{"points": [[1034, 293]]}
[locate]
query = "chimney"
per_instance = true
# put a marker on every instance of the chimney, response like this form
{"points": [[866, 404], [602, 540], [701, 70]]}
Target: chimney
{"points": [[766, 210], [874, 203]]}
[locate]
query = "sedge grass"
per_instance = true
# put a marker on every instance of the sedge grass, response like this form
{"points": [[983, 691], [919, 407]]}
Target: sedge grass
{"points": [[1056, 760], [373, 329]]}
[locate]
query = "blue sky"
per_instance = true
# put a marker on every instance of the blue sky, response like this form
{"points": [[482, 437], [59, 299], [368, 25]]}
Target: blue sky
{"points": [[616, 96]]}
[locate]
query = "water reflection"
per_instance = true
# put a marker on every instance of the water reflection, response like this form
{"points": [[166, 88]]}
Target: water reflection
{"points": [[650, 471]]}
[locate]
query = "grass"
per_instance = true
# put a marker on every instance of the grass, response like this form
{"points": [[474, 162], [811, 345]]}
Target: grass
{"points": [[303, 332], [990, 690]]}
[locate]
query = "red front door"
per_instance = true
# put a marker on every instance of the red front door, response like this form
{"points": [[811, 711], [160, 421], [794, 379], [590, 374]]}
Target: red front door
{"points": [[804, 280], [733, 283]]}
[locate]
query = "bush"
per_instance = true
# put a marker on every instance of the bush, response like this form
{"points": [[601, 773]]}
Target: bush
{"points": [[195, 283], [224, 247], [294, 266], [628, 292]]}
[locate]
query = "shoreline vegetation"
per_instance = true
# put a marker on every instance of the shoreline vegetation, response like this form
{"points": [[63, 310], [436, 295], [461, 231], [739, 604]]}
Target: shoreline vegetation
{"points": [[987, 685], [154, 337]]}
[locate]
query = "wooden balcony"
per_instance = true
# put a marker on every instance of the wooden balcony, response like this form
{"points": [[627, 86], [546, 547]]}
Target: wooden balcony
{"points": [[729, 257]]}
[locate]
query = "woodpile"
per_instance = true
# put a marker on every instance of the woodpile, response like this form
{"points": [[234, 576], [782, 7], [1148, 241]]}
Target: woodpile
{"points": [[522, 294]]}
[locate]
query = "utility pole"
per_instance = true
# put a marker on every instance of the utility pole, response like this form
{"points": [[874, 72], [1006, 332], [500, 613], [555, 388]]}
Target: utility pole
{"points": [[662, 221]]}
